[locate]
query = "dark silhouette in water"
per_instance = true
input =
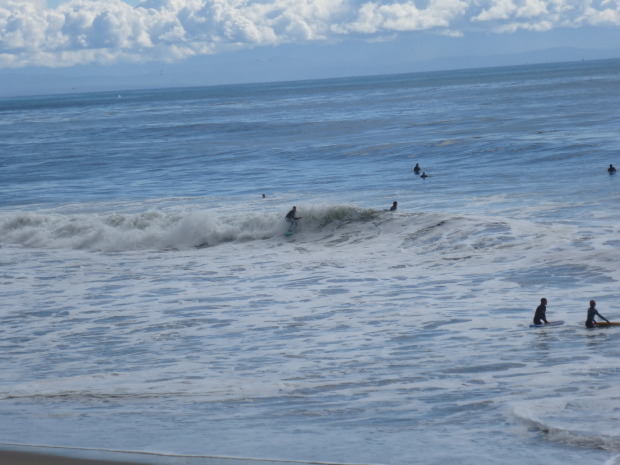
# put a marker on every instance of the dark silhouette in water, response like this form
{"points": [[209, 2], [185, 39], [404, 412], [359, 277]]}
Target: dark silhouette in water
{"points": [[540, 315], [592, 312], [291, 218]]}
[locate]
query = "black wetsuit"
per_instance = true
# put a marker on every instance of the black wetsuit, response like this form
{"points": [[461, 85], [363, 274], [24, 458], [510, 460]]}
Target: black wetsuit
{"points": [[539, 316], [290, 217], [592, 312]]}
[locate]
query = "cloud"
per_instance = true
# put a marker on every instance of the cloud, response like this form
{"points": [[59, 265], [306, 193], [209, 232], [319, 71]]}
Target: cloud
{"points": [[537, 15], [374, 17], [108, 31]]}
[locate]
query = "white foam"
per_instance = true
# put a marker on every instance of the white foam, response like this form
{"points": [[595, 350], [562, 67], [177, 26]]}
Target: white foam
{"points": [[365, 330], [172, 228]]}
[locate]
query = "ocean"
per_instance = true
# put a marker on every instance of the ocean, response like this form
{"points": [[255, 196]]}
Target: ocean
{"points": [[152, 302]]}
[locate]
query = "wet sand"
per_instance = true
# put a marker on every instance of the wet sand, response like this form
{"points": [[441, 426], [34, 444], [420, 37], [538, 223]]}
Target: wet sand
{"points": [[27, 458], [41, 456]]}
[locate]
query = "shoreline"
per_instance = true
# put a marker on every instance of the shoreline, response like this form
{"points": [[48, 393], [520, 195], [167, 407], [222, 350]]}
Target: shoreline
{"points": [[41, 458], [42, 455]]}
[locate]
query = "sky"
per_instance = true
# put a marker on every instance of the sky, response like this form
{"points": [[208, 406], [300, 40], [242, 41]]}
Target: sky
{"points": [[68, 45]]}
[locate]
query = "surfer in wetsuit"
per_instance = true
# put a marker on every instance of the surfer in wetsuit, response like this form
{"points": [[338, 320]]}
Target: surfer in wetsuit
{"points": [[417, 169], [540, 314], [611, 169], [592, 312], [394, 206], [291, 218]]}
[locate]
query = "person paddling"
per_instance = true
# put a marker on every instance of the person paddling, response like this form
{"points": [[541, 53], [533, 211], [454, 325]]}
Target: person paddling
{"points": [[592, 312]]}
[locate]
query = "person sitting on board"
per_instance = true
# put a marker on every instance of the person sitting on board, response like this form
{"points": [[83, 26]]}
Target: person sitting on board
{"points": [[540, 314], [592, 312], [291, 218], [424, 175], [394, 206], [417, 169], [611, 169]]}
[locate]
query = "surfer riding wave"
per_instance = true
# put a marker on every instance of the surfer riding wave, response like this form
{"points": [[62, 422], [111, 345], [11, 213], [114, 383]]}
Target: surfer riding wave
{"points": [[291, 219]]}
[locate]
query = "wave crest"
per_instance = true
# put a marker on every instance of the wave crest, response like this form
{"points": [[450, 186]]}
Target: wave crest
{"points": [[163, 230]]}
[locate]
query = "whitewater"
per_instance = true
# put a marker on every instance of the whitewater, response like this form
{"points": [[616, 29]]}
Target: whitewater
{"points": [[152, 302]]}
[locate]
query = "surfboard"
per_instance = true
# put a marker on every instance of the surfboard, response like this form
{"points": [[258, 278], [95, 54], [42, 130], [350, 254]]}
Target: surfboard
{"points": [[603, 323], [289, 233], [551, 323]]}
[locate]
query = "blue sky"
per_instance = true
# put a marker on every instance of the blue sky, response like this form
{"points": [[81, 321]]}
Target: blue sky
{"points": [[99, 44]]}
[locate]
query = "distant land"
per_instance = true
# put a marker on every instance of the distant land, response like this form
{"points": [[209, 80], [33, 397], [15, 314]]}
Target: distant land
{"points": [[258, 65]]}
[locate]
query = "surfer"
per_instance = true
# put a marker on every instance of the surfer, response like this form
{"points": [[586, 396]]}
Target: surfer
{"points": [[394, 206], [424, 175], [540, 314], [592, 312], [611, 169], [416, 169], [291, 218]]}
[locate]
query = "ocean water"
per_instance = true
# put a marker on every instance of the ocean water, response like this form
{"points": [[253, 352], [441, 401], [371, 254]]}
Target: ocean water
{"points": [[151, 302]]}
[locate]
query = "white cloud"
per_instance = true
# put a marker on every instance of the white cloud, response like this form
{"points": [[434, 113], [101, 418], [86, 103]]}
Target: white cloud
{"points": [[106, 31], [536, 15], [607, 14], [375, 17]]}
